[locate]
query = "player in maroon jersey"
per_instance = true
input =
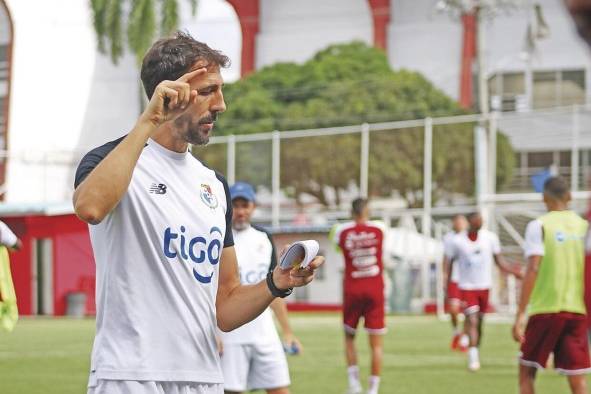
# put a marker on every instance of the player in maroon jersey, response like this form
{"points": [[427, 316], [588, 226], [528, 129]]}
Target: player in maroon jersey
{"points": [[361, 242]]}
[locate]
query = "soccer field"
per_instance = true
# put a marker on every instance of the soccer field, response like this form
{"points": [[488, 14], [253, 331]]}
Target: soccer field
{"points": [[52, 356]]}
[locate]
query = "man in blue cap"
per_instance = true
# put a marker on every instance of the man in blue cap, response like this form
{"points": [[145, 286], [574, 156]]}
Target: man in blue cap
{"points": [[253, 357]]}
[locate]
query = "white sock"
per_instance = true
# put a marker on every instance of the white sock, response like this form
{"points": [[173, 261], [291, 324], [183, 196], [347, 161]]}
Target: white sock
{"points": [[473, 355], [464, 340], [353, 374], [374, 384], [456, 331]]}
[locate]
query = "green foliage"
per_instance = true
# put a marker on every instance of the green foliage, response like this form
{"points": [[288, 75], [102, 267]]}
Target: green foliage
{"points": [[349, 84], [142, 24]]}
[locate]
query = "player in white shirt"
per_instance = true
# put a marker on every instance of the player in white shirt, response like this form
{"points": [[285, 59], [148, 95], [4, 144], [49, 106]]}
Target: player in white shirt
{"points": [[474, 251], [160, 226], [253, 356], [450, 280]]}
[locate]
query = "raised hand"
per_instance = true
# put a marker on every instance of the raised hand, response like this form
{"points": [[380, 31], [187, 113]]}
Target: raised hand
{"points": [[171, 98]]}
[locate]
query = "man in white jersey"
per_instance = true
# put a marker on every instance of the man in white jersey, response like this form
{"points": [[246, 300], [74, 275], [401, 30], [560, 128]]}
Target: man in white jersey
{"points": [[253, 357], [474, 252], [162, 237], [450, 280]]}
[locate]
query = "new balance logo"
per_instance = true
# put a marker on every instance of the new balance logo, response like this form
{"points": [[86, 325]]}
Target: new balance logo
{"points": [[158, 188]]}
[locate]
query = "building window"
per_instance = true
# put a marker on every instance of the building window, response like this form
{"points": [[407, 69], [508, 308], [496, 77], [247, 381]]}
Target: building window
{"points": [[550, 88], [507, 91], [558, 88]]}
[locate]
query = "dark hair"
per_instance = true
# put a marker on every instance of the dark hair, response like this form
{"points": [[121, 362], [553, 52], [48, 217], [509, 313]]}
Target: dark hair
{"points": [[358, 206], [556, 187], [170, 58], [472, 215]]}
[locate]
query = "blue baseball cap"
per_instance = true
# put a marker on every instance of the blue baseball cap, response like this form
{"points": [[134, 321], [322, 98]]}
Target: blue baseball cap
{"points": [[242, 190]]}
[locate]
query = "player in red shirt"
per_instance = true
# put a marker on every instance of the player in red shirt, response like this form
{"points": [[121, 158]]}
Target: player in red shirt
{"points": [[361, 242]]}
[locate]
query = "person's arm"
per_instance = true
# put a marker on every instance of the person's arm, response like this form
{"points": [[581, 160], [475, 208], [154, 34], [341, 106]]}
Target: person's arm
{"points": [[503, 265], [447, 267], [104, 186], [238, 304], [534, 251], [508, 268], [529, 281]]}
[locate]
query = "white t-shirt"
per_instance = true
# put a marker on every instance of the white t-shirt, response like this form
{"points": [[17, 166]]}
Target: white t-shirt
{"points": [[157, 259], [256, 256], [448, 250], [534, 239], [475, 259], [7, 237]]}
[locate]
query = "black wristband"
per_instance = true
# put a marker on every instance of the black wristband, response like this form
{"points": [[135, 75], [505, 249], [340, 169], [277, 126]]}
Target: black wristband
{"points": [[274, 290]]}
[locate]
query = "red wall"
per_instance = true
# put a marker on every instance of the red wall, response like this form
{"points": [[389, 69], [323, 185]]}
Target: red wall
{"points": [[73, 269]]}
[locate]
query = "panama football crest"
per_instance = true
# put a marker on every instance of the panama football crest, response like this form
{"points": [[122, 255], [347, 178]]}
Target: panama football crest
{"points": [[208, 197]]}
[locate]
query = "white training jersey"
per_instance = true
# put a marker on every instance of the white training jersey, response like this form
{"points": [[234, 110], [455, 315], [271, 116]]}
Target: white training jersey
{"points": [[157, 259], [256, 256], [475, 259], [448, 250]]}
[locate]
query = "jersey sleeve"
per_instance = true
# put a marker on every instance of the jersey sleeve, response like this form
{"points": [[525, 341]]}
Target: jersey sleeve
{"points": [[92, 159], [7, 237], [228, 237], [449, 249], [273, 263], [534, 240], [495, 243]]}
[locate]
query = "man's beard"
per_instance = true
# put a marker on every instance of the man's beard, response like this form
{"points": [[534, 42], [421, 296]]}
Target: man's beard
{"points": [[240, 225], [193, 133]]}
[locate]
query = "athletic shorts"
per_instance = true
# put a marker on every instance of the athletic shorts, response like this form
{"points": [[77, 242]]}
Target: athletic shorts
{"points": [[474, 301], [565, 335], [254, 366], [103, 386], [453, 293], [368, 305]]}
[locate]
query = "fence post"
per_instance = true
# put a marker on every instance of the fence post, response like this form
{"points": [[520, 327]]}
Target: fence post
{"points": [[574, 156], [276, 167], [426, 220], [427, 177], [364, 162], [231, 159]]}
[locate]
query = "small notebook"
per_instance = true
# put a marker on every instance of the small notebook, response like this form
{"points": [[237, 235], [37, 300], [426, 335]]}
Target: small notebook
{"points": [[300, 254]]}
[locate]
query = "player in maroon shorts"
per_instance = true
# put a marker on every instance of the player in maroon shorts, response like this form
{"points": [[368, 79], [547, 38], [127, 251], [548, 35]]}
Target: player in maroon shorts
{"points": [[361, 242], [450, 280], [474, 252], [552, 293]]}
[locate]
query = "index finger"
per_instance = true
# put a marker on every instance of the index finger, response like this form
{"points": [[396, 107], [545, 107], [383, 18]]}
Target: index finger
{"points": [[192, 74]]}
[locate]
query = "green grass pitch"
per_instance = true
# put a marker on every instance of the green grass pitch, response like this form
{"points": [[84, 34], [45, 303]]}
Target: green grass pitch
{"points": [[52, 356]]}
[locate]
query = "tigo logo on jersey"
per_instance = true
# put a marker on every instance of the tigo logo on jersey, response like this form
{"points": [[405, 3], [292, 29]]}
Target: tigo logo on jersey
{"points": [[208, 197], [198, 249]]}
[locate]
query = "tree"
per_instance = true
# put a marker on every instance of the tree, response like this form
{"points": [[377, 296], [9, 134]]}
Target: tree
{"points": [[142, 24], [349, 84]]}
